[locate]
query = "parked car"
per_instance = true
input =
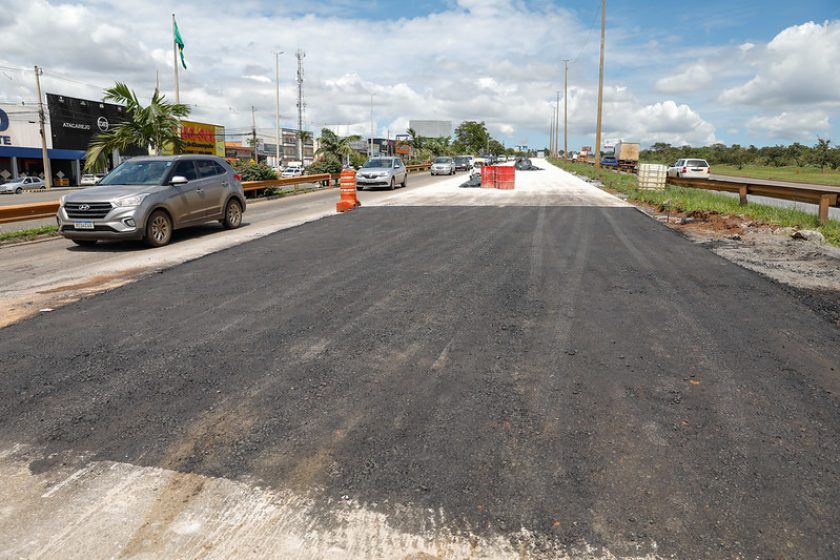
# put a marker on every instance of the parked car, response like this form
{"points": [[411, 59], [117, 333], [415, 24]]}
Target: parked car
{"points": [[382, 172], [609, 161], [149, 197], [464, 163], [293, 171], [443, 166], [690, 168], [17, 186]]}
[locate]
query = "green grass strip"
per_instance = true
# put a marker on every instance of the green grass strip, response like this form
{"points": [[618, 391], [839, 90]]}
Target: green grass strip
{"points": [[27, 234], [687, 200]]}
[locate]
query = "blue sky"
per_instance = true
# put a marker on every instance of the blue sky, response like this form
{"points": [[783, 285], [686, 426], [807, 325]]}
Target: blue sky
{"points": [[745, 72]]}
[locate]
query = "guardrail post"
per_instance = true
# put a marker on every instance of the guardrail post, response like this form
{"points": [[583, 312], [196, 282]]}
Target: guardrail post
{"points": [[742, 195], [825, 202]]}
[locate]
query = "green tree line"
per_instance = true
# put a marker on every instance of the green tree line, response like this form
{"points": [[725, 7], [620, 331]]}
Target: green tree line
{"points": [[822, 154]]}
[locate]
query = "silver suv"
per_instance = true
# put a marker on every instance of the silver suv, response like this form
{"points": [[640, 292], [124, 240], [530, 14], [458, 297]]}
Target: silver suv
{"points": [[382, 172], [150, 197]]}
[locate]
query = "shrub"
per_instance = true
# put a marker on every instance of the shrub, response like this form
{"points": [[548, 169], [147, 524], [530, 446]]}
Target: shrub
{"points": [[255, 171]]}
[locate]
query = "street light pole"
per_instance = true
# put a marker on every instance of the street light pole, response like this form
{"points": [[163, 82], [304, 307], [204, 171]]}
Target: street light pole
{"points": [[370, 149], [600, 86], [277, 107], [566, 112]]}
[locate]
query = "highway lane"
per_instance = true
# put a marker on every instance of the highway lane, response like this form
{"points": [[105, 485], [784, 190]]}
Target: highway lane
{"points": [[49, 273], [445, 373]]}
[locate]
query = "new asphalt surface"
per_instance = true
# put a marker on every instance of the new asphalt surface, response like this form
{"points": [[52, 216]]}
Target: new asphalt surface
{"points": [[580, 373]]}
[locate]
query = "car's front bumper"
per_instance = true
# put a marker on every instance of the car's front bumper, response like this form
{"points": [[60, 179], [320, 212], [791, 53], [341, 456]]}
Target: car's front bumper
{"points": [[373, 181], [119, 223]]}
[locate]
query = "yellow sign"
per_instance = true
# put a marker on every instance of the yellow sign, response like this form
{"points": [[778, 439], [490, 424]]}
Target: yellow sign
{"points": [[201, 138]]}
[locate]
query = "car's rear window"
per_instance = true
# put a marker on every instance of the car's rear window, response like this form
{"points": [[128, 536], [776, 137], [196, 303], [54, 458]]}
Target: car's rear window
{"points": [[462, 160], [697, 163]]}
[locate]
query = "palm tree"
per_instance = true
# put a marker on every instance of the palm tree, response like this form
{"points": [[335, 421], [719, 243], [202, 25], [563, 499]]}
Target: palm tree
{"points": [[152, 127], [334, 148]]}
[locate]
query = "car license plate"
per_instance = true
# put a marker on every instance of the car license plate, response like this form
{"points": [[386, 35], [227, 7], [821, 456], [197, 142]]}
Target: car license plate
{"points": [[83, 225]]}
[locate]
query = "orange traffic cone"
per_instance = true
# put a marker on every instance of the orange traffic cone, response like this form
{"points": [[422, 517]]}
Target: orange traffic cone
{"points": [[348, 199]]}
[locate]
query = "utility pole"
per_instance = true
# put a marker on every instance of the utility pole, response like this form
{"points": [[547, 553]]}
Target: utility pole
{"points": [[557, 128], [41, 120], [254, 132], [566, 111], [370, 150], [551, 130], [277, 107], [300, 104], [600, 86]]}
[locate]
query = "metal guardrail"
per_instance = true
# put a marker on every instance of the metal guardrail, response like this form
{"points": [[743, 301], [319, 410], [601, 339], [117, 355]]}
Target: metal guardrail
{"points": [[822, 196]]}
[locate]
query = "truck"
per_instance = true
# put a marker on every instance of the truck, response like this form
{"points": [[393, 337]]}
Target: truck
{"points": [[627, 154]]}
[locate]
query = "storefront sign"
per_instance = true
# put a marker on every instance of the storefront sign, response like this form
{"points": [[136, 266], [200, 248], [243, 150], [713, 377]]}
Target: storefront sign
{"points": [[76, 122], [19, 126]]}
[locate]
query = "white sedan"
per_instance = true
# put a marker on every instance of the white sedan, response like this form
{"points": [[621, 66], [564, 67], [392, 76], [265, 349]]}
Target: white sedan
{"points": [[21, 184]]}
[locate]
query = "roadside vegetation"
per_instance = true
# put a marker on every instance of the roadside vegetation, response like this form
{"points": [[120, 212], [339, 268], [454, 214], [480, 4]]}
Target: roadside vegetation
{"points": [[792, 174], [686, 200], [27, 234]]}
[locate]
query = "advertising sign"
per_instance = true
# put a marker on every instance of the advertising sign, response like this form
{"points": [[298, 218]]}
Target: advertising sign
{"points": [[203, 138], [19, 127], [75, 122]]}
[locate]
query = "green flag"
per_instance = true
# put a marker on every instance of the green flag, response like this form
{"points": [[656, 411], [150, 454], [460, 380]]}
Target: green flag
{"points": [[179, 42]]}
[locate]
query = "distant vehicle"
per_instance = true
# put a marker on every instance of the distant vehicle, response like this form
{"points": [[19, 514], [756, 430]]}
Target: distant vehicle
{"points": [[17, 186], [609, 161], [149, 197], [464, 163], [690, 169], [627, 154], [293, 171], [443, 166], [382, 172]]}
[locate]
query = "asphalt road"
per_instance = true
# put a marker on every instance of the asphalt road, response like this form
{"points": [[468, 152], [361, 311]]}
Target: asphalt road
{"points": [[526, 381]]}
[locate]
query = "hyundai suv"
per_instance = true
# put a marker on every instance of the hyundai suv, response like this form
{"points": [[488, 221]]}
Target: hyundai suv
{"points": [[149, 197]]}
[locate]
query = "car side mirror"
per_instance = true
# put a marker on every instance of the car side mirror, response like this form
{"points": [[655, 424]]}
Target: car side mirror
{"points": [[178, 180]]}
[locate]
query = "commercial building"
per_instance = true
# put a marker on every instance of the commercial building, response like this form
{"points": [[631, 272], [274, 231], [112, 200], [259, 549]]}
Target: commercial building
{"points": [[267, 148], [431, 129]]}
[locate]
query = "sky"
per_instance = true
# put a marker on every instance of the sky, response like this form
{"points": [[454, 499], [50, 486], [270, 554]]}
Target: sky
{"points": [[746, 72]]}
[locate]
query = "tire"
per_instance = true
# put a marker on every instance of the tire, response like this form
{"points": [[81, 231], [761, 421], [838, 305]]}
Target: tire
{"points": [[158, 229], [18, 190], [85, 242], [43, 187], [392, 185], [233, 214]]}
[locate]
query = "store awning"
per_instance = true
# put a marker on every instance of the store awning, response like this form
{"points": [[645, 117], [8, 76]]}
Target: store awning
{"points": [[35, 153]]}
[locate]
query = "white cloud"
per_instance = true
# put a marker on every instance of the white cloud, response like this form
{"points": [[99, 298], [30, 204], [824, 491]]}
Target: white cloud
{"points": [[792, 126], [692, 78], [798, 67]]}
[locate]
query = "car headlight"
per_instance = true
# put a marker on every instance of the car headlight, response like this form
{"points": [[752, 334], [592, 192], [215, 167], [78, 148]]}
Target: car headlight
{"points": [[129, 201]]}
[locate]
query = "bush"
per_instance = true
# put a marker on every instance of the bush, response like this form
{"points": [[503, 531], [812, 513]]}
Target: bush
{"points": [[324, 166], [255, 171]]}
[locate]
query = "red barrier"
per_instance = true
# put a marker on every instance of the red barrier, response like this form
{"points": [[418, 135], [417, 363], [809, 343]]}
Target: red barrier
{"points": [[488, 177], [505, 177]]}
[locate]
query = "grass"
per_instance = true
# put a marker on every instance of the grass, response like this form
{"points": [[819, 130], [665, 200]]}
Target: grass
{"points": [[810, 175], [27, 234], [689, 200]]}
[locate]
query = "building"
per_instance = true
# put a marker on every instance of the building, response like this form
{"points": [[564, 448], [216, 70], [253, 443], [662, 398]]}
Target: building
{"points": [[432, 129]]}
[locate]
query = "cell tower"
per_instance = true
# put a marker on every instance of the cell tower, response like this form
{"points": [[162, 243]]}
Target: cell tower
{"points": [[301, 106]]}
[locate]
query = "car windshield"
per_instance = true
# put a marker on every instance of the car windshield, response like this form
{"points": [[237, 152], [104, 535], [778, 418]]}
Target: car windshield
{"points": [[442, 160], [377, 163], [15, 181], [147, 172]]}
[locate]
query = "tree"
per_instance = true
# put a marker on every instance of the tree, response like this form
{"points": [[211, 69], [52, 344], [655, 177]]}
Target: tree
{"points": [[473, 136], [496, 147], [821, 154], [334, 148], [304, 136], [154, 126]]}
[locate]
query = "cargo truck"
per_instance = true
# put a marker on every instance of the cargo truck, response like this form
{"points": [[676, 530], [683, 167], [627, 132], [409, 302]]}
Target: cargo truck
{"points": [[627, 154]]}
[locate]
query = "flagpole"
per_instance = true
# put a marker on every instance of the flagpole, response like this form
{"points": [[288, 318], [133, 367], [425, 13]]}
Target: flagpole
{"points": [[175, 63]]}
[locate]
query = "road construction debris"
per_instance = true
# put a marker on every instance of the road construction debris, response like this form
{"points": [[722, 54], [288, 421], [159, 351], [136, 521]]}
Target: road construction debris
{"points": [[524, 164]]}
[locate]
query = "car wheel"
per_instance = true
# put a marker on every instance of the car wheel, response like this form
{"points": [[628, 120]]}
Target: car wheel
{"points": [[85, 242], [18, 190], [233, 215], [158, 229], [43, 187], [391, 186]]}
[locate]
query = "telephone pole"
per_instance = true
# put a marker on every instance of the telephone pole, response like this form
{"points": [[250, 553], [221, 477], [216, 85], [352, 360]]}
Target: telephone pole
{"points": [[277, 107], [551, 131], [254, 132], [300, 104], [41, 120], [557, 127], [600, 86], [566, 111]]}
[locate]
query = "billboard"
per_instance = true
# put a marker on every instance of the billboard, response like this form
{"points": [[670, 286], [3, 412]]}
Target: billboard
{"points": [[203, 138], [75, 122], [431, 129], [19, 126]]}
